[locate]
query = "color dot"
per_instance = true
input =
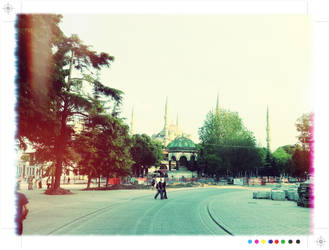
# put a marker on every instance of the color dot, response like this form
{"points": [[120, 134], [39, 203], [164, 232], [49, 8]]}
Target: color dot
{"points": [[256, 241], [249, 241], [283, 241], [297, 241], [270, 241], [290, 241], [263, 241], [276, 241]]}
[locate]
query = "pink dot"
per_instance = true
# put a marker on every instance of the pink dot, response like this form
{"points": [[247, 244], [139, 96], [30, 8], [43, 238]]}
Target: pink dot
{"points": [[256, 241]]}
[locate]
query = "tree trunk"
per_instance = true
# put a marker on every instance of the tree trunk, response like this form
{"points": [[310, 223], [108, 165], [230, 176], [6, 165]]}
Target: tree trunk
{"points": [[58, 173], [89, 181], [59, 148], [107, 180], [52, 182], [61, 139], [99, 181]]}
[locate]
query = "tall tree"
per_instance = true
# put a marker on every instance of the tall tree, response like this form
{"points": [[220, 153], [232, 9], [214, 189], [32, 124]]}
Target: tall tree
{"points": [[46, 84], [145, 153], [304, 148], [304, 127], [282, 160], [227, 146]]}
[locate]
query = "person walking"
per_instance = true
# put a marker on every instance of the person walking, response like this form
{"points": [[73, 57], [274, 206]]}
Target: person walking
{"points": [[30, 182], [35, 182], [48, 183], [22, 209], [40, 183], [153, 183], [164, 191], [159, 187]]}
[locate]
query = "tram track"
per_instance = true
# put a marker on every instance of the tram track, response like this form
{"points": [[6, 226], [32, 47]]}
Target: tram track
{"points": [[92, 213], [78, 219], [216, 222]]}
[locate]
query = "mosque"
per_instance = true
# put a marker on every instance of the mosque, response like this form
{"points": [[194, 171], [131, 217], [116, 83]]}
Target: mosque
{"points": [[179, 150], [169, 132]]}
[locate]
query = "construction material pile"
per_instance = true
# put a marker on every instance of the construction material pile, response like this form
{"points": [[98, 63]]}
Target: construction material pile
{"points": [[291, 193], [278, 193], [304, 193]]}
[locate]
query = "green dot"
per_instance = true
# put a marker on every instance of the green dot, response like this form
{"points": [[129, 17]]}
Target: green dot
{"points": [[283, 241]]}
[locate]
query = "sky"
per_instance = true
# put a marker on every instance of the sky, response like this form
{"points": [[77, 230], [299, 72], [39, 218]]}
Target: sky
{"points": [[249, 60]]}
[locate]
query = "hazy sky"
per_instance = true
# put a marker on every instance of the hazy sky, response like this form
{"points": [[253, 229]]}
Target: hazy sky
{"points": [[251, 60]]}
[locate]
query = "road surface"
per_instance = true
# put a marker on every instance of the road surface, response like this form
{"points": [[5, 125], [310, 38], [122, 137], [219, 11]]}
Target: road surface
{"points": [[188, 211]]}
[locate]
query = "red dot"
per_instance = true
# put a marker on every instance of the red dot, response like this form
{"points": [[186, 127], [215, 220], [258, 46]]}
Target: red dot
{"points": [[276, 241]]}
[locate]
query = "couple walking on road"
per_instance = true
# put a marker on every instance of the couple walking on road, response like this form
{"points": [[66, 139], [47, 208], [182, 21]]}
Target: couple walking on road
{"points": [[161, 189]]}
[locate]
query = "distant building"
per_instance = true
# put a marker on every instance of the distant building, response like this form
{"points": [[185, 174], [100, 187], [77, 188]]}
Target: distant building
{"points": [[169, 132], [26, 164], [181, 152]]}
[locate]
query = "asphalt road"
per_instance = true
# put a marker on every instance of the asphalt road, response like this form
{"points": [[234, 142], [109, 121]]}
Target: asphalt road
{"points": [[184, 213], [193, 211]]}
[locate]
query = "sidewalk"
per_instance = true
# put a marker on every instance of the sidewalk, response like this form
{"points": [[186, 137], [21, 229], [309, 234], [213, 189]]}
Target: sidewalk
{"points": [[24, 186]]}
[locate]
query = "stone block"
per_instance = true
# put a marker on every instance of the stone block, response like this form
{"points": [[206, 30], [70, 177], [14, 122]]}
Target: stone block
{"points": [[254, 195], [261, 195], [286, 192], [292, 195], [278, 195]]}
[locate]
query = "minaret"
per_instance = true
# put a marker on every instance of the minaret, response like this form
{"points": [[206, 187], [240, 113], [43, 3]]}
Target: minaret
{"points": [[166, 123], [217, 105], [132, 126], [268, 139]]}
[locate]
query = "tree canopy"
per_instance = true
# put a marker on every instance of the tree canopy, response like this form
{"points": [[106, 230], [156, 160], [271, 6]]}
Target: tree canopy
{"points": [[227, 147], [305, 128], [304, 147], [145, 153]]}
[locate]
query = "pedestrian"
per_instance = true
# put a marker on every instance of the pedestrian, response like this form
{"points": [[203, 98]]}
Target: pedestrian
{"points": [[68, 180], [22, 209], [30, 182], [153, 183], [35, 181], [159, 187], [164, 191], [40, 183], [48, 183]]}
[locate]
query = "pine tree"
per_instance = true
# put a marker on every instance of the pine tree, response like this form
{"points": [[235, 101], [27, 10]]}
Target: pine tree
{"points": [[50, 99]]}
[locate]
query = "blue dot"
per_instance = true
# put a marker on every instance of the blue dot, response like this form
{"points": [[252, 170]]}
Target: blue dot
{"points": [[249, 241], [270, 241]]}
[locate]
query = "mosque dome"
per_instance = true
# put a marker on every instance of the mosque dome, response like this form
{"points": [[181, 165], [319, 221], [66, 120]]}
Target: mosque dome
{"points": [[182, 143]]}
